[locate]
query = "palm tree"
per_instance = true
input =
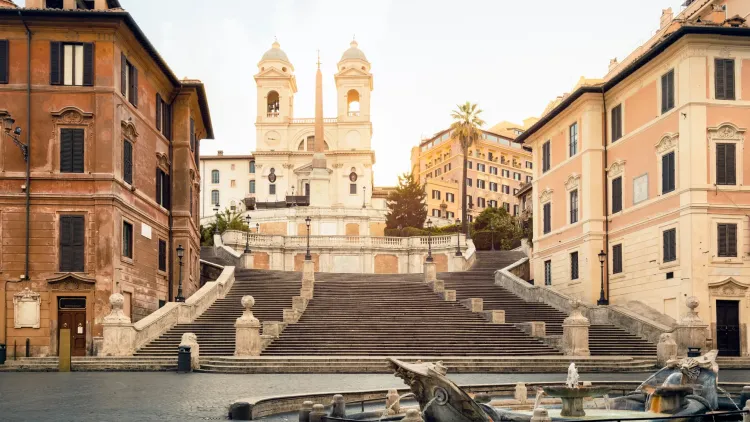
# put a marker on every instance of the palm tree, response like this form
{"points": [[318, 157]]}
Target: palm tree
{"points": [[466, 128]]}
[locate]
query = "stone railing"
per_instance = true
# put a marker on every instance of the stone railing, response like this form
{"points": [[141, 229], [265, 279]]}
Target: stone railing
{"points": [[226, 253], [237, 239]]}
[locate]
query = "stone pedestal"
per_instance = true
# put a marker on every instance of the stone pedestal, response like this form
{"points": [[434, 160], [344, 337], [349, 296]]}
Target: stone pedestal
{"points": [[449, 295], [304, 411], [438, 286], [118, 331], [291, 316], [475, 304], [307, 290], [318, 413], [522, 393], [572, 407], [541, 415], [459, 263], [666, 350], [308, 271], [691, 331], [430, 272], [299, 303], [536, 329], [273, 328], [247, 341], [320, 184], [191, 340], [248, 261], [575, 338], [495, 317], [338, 406]]}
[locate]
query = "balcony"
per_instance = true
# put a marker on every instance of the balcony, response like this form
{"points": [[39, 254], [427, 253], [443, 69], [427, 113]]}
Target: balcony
{"points": [[251, 202], [272, 114], [353, 114]]}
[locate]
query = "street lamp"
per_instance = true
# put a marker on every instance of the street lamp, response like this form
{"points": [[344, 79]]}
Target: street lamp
{"points": [[294, 199], [492, 232], [429, 241], [8, 126], [458, 237], [308, 257], [602, 300], [216, 225], [257, 228], [180, 253], [247, 235], [400, 231], [364, 195]]}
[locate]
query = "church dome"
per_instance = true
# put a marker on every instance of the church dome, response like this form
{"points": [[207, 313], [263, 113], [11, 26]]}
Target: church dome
{"points": [[353, 53], [275, 53]]}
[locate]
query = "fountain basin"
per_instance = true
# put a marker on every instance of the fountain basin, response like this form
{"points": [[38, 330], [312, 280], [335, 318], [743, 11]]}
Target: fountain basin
{"points": [[595, 414], [572, 398]]}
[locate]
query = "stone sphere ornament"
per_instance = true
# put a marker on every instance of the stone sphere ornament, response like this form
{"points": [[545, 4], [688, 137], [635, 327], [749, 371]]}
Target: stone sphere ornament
{"points": [[247, 302], [692, 302], [117, 301]]}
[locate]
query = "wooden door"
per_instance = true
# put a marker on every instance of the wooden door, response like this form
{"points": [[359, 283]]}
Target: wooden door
{"points": [[75, 321], [728, 327]]}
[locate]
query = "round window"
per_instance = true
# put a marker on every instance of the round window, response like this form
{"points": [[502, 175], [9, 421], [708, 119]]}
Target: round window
{"points": [[353, 177]]}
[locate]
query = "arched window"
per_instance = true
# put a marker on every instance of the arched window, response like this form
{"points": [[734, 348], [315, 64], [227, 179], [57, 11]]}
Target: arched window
{"points": [[215, 197], [273, 104], [352, 101], [214, 176], [308, 144]]}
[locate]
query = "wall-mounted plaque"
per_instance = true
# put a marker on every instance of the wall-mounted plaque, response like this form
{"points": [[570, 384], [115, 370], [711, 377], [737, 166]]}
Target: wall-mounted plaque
{"points": [[27, 309], [640, 189]]}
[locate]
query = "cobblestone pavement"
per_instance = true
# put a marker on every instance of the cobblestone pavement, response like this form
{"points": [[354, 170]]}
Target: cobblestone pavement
{"points": [[150, 396]]}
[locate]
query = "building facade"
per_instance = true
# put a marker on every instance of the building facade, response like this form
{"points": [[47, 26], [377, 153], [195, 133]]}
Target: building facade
{"points": [[226, 181], [111, 186], [497, 167], [646, 167]]}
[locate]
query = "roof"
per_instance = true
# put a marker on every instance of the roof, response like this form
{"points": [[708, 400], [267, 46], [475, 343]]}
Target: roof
{"points": [[226, 157], [275, 53], [526, 187], [117, 13], [486, 132], [632, 68], [353, 52]]}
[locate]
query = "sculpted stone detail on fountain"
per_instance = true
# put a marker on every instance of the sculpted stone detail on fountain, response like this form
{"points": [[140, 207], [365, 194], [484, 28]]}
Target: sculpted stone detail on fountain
{"points": [[572, 394], [691, 332], [575, 339]]}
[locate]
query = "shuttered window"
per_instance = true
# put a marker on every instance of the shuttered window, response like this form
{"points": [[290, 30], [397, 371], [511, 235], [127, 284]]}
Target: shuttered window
{"points": [[71, 64], [667, 91], [669, 245], [574, 266], [573, 139], [162, 188], [574, 206], [616, 259], [667, 173], [128, 80], [192, 134], [546, 156], [72, 235], [215, 197], [726, 163], [727, 237], [617, 194], [724, 79], [617, 123], [272, 189], [159, 115], [71, 150], [127, 162], [4, 61], [547, 273], [166, 111], [127, 240], [252, 186], [162, 255], [547, 215], [353, 189]]}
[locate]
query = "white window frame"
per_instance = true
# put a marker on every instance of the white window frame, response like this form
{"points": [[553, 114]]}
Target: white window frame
{"points": [[676, 263], [741, 253], [615, 170], [712, 77], [727, 133], [668, 143]]}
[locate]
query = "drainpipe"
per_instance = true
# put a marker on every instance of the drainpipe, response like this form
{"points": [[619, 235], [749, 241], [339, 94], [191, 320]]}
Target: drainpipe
{"points": [[170, 241], [28, 142], [606, 195]]}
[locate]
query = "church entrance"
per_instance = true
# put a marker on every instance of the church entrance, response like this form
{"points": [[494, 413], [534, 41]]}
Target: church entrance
{"points": [[728, 327], [72, 315]]}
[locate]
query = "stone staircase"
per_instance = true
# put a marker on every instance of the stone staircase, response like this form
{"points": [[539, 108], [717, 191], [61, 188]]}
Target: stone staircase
{"points": [[273, 291], [93, 363], [479, 283]]}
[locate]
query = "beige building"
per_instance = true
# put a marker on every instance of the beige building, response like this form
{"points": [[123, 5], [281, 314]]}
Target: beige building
{"points": [[498, 167], [647, 165]]}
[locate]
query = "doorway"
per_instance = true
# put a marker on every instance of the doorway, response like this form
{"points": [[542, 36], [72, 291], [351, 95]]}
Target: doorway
{"points": [[72, 315], [728, 327]]}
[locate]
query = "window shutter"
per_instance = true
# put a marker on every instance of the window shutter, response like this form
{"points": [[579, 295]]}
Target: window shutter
{"points": [[66, 150], [78, 243], [667, 173], [616, 259], [730, 165], [78, 153], [720, 79], [55, 66], [731, 239], [127, 162], [729, 79], [547, 218], [167, 110], [162, 255], [617, 195], [88, 64], [721, 164], [167, 189], [123, 74], [192, 134], [158, 112], [158, 186], [721, 235], [670, 84], [4, 61], [664, 93], [134, 85], [72, 236]]}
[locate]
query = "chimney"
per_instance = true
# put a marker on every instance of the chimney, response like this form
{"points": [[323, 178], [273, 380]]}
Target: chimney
{"points": [[220, 153], [613, 63], [666, 17]]}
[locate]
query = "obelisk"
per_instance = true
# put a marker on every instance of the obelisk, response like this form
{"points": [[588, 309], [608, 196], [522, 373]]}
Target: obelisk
{"points": [[320, 179]]}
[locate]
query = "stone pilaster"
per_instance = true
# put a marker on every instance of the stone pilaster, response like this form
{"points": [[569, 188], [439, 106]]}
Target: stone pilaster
{"points": [[248, 261], [575, 339], [430, 272], [118, 331], [691, 331], [247, 340]]}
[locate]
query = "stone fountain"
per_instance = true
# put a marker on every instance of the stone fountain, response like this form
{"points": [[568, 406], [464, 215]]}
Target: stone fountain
{"points": [[572, 394]]}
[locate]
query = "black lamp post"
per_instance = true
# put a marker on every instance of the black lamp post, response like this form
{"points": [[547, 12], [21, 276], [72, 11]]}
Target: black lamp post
{"points": [[400, 231], [492, 234], [308, 257], [429, 241], [602, 300], [216, 226], [247, 235], [257, 228], [14, 134], [294, 199], [458, 237], [364, 195], [180, 253]]}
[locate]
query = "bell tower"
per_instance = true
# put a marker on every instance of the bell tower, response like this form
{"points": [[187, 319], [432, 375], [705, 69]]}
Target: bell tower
{"points": [[276, 86], [353, 85]]}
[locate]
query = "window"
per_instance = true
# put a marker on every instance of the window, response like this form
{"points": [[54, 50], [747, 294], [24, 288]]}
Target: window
{"points": [[162, 188], [617, 259], [447, 167], [450, 215], [481, 203], [669, 245], [724, 79], [489, 156], [353, 189], [573, 139], [214, 176], [516, 176], [492, 203], [469, 201], [129, 80], [506, 206], [231, 167], [506, 173], [574, 206], [127, 240], [548, 273], [252, 186], [617, 123], [471, 218], [529, 164], [667, 173], [232, 183], [272, 189], [127, 162], [528, 179], [515, 210], [726, 164], [493, 170], [667, 91], [164, 117], [617, 194], [493, 186], [468, 182], [506, 189], [71, 64], [252, 167], [72, 235], [159, 115], [481, 184], [480, 167], [438, 172], [727, 237], [574, 266], [435, 212], [4, 61], [546, 157], [71, 150], [515, 191], [215, 197], [470, 165], [435, 194], [449, 197], [162, 255], [547, 216]]}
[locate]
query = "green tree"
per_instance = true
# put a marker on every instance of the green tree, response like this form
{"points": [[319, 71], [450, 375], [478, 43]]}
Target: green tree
{"points": [[406, 205], [498, 224], [228, 220], [466, 128]]}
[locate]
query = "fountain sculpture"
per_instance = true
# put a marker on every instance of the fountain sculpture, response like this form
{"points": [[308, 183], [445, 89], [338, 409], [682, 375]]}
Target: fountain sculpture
{"points": [[572, 394]]}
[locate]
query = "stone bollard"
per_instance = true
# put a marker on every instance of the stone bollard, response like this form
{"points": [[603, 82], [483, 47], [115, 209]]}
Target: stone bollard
{"points": [[666, 350], [318, 413], [392, 402], [430, 272], [437, 286], [291, 316], [118, 332], [338, 406], [247, 328], [746, 416], [475, 304], [412, 415], [304, 411], [691, 331], [248, 261], [522, 393], [191, 340], [449, 295], [575, 338], [308, 271], [541, 415]]}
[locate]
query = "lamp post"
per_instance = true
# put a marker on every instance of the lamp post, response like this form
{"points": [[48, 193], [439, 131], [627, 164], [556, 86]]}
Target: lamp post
{"points": [[492, 234], [294, 199], [180, 253], [429, 241], [602, 300], [216, 226], [257, 228], [247, 235], [308, 257], [458, 237], [364, 196], [8, 127]]}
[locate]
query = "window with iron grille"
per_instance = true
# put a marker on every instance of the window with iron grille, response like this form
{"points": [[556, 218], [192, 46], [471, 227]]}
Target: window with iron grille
{"points": [[669, 245], [573, 139], [617, 259], [574, 206], [127, 239], [548, 273], [574, 266]]}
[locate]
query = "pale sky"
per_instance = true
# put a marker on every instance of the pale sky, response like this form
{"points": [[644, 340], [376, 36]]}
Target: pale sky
{"points": [[510, 57]]}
